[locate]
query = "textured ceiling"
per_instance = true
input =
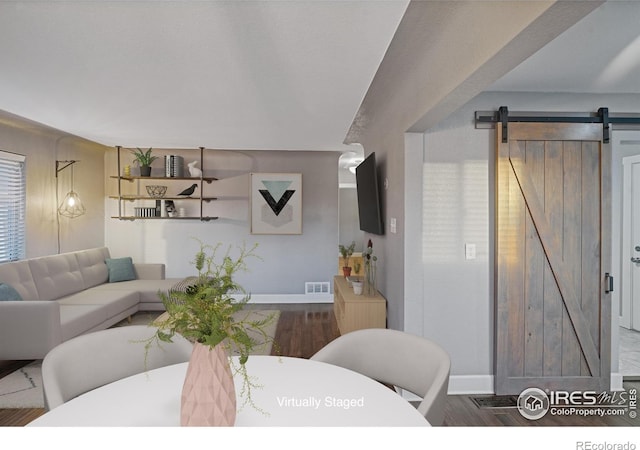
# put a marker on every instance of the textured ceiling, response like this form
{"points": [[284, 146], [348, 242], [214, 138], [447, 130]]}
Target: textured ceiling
{"points": [[599, 54], [219, 74], [249, 74]]}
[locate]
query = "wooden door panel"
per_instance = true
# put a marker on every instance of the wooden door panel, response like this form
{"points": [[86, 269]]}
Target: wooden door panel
{"points": [[549, 276]]}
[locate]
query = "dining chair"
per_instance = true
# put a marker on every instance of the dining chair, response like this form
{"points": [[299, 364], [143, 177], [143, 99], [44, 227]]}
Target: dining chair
{"points": [[95, 359], [394, 357]]}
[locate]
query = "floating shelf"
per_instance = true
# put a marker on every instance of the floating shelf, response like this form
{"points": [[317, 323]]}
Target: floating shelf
{"points": [[132, 198], [132, 218], [132, 179]]}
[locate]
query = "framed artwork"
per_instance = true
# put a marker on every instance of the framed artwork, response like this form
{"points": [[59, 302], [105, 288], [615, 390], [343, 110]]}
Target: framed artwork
{"points": [[276, 203]]}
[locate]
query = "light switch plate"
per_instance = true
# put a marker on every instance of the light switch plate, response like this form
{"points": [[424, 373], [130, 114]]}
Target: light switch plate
{"points": [[470, 251]]}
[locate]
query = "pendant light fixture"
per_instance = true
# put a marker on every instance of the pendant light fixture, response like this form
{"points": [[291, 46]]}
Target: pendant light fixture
{"points": [[71, 206]]}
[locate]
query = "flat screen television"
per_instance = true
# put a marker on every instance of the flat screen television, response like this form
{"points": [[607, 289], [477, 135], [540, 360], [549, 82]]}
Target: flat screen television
{"points": [[369, 210]]}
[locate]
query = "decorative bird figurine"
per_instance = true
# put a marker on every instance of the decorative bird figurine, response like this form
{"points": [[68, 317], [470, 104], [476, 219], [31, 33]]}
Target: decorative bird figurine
{"points": [[193, 170], [188, 191]]}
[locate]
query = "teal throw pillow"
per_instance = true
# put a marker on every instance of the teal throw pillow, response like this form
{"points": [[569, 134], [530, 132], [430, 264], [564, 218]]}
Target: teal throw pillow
{"points": [[8, 293], [120, 269]]}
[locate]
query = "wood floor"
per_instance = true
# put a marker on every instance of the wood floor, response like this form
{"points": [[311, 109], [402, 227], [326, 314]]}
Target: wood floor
{"points": [[304, 329]]}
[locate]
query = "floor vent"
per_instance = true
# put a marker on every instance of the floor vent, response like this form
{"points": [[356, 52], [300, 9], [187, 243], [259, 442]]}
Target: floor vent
{"points": [[496, 401], [316, 288]]}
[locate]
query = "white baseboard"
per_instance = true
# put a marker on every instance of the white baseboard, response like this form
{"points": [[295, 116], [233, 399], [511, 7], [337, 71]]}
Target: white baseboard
{"points": [[290, 298], [483, 384], [461, 385], [470, 384], [616, 381]]}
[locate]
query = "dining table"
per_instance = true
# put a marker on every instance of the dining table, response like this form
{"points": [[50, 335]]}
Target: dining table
{"points": [[287, 391]]}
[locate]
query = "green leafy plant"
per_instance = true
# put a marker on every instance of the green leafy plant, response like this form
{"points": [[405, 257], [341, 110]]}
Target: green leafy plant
{"points": [[346, 252], [143, 157], [206, 312]]}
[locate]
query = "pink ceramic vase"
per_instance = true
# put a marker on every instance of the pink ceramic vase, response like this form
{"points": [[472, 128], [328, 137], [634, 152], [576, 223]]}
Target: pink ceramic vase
{"points": [[208, 394]]}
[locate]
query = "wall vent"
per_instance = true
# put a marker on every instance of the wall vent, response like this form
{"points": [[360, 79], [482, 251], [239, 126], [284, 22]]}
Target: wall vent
{"points": [[317, 288]]}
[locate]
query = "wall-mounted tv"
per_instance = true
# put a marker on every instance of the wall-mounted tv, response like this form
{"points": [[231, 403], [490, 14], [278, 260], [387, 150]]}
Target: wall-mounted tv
{"points": [[369, 208]]}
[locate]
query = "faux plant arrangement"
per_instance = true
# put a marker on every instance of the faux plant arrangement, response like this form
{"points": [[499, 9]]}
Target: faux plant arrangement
{"points": [[370, 269], [144, 158], [206, 314], [346, 253]]}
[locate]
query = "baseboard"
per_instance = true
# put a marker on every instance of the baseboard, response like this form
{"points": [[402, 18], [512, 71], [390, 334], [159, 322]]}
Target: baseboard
{"points": [[290, 298], [470, 384], [616, 381], [483, 384]]}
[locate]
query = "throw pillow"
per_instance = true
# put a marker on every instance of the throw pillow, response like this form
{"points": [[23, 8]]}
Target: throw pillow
{"points": [[8, 293], [120, 269]]}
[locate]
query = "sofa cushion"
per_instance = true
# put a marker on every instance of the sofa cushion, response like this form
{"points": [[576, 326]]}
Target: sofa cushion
{"points": [[120, 269], [56, 276], [92, 266], [146, 289], [18, 275], [114, 301], [78, 319], [8, 293]]}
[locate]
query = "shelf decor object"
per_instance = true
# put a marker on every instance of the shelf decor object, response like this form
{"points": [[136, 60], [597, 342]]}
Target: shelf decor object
{"points": [[276, 203], [144, 158], [174, 166], [156, 191]]}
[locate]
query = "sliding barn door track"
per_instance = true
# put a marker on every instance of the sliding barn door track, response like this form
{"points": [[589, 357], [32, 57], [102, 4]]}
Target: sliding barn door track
{"points": [[487, 119]]}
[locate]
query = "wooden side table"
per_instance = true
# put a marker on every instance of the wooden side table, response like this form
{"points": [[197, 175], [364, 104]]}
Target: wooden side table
{"points": [[354, 312]]}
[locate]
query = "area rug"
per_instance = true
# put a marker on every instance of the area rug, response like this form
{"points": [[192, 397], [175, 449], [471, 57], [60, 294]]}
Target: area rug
{"points": [[23, 387]]}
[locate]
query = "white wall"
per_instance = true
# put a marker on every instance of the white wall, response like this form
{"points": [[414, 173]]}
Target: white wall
{"points": [[458, 208], [287, 260]]}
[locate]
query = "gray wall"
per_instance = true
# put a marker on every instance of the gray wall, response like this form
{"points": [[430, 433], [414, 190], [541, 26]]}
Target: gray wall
{"points": [[42, 146], [349, 219], [287, 260]]}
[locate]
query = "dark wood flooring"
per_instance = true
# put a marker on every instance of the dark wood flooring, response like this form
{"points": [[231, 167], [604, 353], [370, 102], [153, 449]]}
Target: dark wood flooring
{"points": [[304, 329]]}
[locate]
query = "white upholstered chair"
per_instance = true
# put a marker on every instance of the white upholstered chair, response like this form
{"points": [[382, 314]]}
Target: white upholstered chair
{"points": [[92, 360], [393, 357]]}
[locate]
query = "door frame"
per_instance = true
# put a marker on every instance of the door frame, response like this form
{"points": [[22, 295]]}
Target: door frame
{"points": [[626, 303]]}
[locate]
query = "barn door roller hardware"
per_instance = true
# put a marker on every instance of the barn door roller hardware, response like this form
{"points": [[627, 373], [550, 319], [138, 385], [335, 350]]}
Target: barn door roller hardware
{"points": [[487, 119]]}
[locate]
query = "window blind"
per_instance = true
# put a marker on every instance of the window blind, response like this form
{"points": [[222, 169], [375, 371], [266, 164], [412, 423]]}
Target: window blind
{"points": [[12, 207]]}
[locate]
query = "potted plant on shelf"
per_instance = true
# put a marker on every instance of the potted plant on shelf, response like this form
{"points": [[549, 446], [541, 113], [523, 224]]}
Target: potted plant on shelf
{"points": [[346, 253], [205, 313], [144, 160]]}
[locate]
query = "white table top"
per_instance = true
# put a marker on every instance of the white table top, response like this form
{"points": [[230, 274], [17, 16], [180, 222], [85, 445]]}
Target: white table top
{"points": [[294, 392]]}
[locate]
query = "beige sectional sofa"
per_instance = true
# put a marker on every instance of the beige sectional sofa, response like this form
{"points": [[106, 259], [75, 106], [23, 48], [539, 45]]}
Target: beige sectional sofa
{"points": [[67, 295]]}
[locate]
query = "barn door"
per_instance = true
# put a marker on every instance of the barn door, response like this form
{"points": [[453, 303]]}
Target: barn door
{"points": [[552, 257]]}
